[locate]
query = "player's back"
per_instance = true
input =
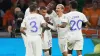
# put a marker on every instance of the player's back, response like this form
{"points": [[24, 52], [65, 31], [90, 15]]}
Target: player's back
{"points": [[75, 19], [33, 24]]}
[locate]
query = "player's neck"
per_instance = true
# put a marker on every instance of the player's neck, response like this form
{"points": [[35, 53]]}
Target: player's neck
{"points": [[34, 12], [60, 14], [73, 9]]}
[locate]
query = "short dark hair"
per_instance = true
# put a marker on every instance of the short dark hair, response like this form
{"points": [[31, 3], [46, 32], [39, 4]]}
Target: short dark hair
{"points": [[33, 7], [30, 3], [43, 8], [74, 4]]}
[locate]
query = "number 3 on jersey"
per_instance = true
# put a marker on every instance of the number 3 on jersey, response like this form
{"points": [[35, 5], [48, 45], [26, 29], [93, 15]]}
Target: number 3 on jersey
{"points": [[75, 25], [34, 27]]}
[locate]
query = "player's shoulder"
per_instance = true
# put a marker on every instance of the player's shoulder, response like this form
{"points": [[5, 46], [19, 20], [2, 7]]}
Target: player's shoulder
{"points": [[53, 14], [39, 15], [67, 14], [82, 15], [76, 12], [26, 16], [27, 9], [47, 15], [64, 15]]}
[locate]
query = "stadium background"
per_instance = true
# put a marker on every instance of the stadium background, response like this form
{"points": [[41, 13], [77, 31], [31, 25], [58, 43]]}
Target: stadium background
{"points": [[15, 46]]}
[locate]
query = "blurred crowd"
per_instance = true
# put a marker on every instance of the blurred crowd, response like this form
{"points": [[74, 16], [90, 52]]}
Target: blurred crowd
{"points": [[12, 12]]}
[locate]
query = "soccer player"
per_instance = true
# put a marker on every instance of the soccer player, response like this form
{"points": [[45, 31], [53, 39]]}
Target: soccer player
{"points": [[27, 12], [75, 39], [52, 15], [60, 23], [50, 9], [32, 25], [46, 32], [62, 28]]}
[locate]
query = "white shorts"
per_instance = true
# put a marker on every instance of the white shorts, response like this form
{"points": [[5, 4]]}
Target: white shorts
{"points": [[46, 43], [24, 39], [75, 45], [62, 44], [75, 41], [50, 42], [50, 38], [34, 46]]}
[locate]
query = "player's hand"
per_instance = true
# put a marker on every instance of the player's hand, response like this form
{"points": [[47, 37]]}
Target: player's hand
{"points": [[47, 19], [57, 25], [9, 28], [46, 24], [86, 28]]}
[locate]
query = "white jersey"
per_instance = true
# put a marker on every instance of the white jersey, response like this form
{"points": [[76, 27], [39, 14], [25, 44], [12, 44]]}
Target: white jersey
{"points": [[75, 19], [27, 12], [61, 31], [52, 16], [33, 23], [47, 32], [47, 38], [47, 15]]}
